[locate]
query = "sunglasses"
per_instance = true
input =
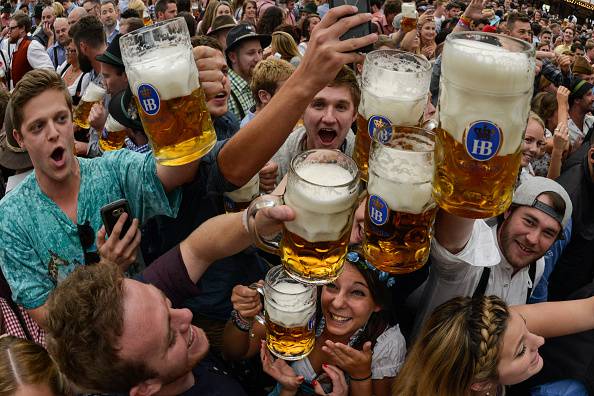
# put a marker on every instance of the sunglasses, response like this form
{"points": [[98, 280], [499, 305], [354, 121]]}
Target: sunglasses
{"points": [[86, 235]]}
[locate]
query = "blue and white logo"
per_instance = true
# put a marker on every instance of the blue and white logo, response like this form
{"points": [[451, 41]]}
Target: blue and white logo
{"points": [[381, 127], [483, 140], [311, 323], [378, 210], [149, 99]]}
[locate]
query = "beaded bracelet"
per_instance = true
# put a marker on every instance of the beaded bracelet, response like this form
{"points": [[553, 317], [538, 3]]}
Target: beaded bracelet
{"points": [[240, 322]]}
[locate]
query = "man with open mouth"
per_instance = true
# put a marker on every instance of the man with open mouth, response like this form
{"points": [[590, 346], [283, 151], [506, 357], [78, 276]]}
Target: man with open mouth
{"points": [[326, 122]]}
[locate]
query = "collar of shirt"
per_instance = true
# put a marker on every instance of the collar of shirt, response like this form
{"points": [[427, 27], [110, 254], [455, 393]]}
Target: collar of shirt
{"points": [[237, 82]]}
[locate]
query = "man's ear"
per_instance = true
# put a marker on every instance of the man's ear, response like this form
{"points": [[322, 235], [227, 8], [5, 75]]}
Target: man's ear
{"points": [[232, 57], [264, 96], [18, 137], [146, 388]]}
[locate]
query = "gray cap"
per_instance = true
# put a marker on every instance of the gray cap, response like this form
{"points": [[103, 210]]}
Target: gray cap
{"points": [[529, 190]]}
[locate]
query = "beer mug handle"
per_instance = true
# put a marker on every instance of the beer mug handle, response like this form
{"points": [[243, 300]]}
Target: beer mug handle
{"points": [[265, 201], [259, 289]]}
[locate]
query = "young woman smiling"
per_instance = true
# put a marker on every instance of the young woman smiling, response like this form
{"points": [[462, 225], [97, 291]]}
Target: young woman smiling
{"points": [[353, 320]]}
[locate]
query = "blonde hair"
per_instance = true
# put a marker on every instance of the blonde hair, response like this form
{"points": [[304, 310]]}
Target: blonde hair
{"points": [[536, 117], [59, 10], [460, 344], [267, 74], [138, 6], [285, 45], [23, 362]]}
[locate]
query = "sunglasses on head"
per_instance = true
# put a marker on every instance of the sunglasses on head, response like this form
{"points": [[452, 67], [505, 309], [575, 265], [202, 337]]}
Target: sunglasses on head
{"points": [[87, 236]]}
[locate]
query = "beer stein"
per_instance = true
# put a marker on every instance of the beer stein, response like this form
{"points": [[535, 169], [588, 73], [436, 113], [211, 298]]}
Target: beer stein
{"points": [[240, 199], [164, 80], [394, 92], [113, 135], [400, 210], [410, 16], [93, 94], [289, 315], [484, 101], [322, 189]]}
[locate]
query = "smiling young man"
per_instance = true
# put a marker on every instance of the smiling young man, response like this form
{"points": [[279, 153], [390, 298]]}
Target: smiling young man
{"points": [[111, 334], [470, 258], [326, 123]]}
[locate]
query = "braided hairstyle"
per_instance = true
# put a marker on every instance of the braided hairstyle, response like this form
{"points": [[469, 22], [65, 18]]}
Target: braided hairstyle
{"points": [[460, 344]]}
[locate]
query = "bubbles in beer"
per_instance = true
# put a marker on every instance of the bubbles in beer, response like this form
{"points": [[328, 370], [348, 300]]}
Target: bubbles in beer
{"points": [[291, 306], [93, 93], [112, 125]]}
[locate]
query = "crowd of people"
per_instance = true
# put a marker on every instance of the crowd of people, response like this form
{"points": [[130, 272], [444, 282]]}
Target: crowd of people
{"points": [[165, 302]]}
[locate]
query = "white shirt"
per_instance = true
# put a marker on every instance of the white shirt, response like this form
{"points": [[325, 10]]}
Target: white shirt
{"points": [[37, 55], [577, 134], [458, 275]]}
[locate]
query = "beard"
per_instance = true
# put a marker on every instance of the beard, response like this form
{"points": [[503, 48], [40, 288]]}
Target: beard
{"points": [[84, 63]]}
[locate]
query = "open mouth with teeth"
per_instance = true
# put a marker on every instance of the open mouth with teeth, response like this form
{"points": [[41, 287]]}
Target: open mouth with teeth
{"points": [[191, 338], [338, 318], [524, 248], [327, 135], [221, 95]]}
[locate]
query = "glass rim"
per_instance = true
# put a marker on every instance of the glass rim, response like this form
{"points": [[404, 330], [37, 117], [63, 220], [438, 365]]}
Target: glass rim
{"points": [[149, 28], [401, 130], [280, 269], [305, 154], [467, 35], [423, 62]]}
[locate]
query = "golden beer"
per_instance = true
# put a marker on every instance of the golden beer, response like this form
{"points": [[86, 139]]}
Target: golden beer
{"points": [[146, 18], [314, 260], [164, 79], [113, 135], [409, 17], [182, 131], [322, 188], [290, 309], [93, 94], [394, 89], [481, 122], [240, 199], [400, 210]]}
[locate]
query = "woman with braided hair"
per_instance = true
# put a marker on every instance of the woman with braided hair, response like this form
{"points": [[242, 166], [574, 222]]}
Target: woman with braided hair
{"points": [[477, 346]]}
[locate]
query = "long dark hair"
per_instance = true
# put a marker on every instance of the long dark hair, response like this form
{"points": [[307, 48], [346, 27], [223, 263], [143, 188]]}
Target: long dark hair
{"points": [[380, 293], [271, 19]]}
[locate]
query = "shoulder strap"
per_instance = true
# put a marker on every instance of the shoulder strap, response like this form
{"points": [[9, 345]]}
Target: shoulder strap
{"points": [[238, 104], [56, 57], [532, 274], [482, 285]]}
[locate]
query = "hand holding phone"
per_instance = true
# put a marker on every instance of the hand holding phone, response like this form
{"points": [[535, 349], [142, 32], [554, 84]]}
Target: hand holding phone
{"points": [[110, 214], [361, 30]]}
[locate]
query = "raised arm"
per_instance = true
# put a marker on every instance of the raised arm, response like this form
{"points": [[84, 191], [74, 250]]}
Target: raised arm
{"points": [[555, 319], [452, 232], [225, 235], [258, 141]]}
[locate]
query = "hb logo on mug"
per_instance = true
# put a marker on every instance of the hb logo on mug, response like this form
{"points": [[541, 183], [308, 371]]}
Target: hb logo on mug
{"points": [[483, 140], [149, 99]]}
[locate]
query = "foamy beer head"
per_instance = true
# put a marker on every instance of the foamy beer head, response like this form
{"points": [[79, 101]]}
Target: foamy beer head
{"points": [[409, 16], [111, 125], [322, 188], [395, 85], [401, 171], [93, 93], [290, 304], [486, 77]]}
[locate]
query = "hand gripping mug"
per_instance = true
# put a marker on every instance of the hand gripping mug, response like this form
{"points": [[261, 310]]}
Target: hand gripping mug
{"points": [[289, 315], [394, 90], [400, 209], [164, 80], [484, 101], [322, 189]]}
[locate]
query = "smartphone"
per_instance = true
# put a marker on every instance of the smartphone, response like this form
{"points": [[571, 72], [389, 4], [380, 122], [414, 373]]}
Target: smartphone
{"points": [[361, 30], [111, 212]]}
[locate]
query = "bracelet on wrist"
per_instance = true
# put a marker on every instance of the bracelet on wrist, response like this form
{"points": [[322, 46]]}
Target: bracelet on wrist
{"points": [[360, 379], [239, 322], [465, 20]]}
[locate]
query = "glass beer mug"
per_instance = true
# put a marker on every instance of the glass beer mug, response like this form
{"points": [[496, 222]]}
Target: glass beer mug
{"points": [[322, 189], [289, 315], [240, 199], [400, 210], [484, 100], [93, 94], [164, 80], [394, 91], [113, 136]]}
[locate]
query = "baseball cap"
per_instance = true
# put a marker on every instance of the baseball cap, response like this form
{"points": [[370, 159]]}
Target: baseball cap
{"points": [[242, 32], [529, 190], [113, 54]]}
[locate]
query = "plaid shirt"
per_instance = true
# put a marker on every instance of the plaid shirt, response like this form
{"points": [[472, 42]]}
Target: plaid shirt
{"points": [[554, 75], [13, 327], [240, 100]]}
